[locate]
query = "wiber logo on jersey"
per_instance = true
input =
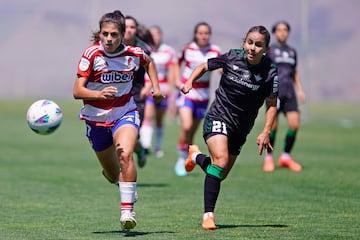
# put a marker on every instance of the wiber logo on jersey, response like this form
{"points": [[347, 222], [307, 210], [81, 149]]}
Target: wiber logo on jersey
{"points": [[117, 77]]}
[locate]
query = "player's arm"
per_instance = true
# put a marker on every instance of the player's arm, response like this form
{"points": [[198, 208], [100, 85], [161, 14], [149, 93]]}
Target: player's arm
{"points": [[171, 76], [81, 92], [195, 75], [299, 87], [263, 140], [151, 71]]}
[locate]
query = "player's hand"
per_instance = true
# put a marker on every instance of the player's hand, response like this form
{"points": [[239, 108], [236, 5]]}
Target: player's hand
{"points": [[186, 87], [108, 93], [301, 96], [158, 97], [263, 142]]}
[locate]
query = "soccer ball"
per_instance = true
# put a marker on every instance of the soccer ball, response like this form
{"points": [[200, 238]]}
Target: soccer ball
{"points": [[44, 116]]}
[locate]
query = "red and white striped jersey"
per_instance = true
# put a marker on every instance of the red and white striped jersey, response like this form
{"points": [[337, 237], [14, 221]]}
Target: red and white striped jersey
{"points": [[193, 56], [102, 70], [163, 57]]}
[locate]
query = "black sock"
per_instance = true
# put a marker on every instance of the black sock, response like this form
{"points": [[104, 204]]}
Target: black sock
{"points": [[289, 140], [272, 136], [203, 161], [211, 192]]}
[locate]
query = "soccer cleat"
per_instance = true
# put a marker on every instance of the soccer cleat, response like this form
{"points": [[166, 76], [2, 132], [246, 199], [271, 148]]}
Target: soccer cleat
{"points": [[269, 165], [159, 153], [208, 222], [180, 168], [127, 220], [189, 164], [141, 157], [290, 163]]}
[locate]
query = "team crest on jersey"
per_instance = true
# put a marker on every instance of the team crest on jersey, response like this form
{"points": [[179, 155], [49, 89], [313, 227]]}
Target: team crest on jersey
{"points": [[84, 64], [277, 51], [131, 63]]}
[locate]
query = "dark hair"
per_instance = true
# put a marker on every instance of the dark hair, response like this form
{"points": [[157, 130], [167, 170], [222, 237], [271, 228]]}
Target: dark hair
{"points": [[113, 17], [128, 17], [199, 25], [273, 30], [263, 31], [142, 32]]}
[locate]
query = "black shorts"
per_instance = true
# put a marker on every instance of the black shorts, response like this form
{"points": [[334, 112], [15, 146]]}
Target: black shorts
{"points": [[236, 135], [140, 104], [287, 104]]}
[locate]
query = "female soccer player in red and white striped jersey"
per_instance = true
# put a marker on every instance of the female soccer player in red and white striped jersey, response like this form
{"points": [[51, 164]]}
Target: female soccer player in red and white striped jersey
{"points": [[104, 82]]}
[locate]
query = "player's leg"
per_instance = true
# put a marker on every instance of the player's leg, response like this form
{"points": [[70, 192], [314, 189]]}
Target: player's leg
{"points": [[146, 130], [139, 149], [293, 119], [216, 171], [160, 111], [110, 164], [186, 121], [101, 142], [125, 134]]}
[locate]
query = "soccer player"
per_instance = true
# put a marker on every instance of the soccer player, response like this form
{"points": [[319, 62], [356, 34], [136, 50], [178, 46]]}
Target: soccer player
{"points": [[104, 81], [249, 78], [192, 107], [285, 58], [165, 61], [140, 91]]}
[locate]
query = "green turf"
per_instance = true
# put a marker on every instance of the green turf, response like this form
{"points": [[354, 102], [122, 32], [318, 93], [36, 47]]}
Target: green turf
{"points": [[51, 187]]}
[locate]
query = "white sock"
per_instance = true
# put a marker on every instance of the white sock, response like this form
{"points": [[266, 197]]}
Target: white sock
{"points": [[146, 136], [285, 155], [193, 156], [127, 195], [208, 214]]}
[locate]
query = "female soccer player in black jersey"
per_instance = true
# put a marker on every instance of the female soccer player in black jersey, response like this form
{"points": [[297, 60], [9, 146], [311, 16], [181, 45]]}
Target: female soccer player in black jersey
{"points": [[285, 59], [249, 78]]}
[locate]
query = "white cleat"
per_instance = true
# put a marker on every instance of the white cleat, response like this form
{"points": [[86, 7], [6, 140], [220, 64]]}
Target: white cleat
{"points": [[127, 220]]}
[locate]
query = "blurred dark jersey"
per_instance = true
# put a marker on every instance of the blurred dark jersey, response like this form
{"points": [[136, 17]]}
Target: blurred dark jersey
{"points": [[285, 59]]}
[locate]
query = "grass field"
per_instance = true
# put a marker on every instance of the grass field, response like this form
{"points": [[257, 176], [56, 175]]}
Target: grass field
{"points": [[51, 187]]}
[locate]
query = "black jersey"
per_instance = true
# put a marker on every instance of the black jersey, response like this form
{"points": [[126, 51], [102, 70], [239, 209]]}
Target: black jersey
{"points": [[139, 76], [285, 59], [243, 87]]}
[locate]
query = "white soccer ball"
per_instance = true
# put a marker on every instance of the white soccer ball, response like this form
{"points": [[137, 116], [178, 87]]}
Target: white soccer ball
{"points": [[44, 116]]}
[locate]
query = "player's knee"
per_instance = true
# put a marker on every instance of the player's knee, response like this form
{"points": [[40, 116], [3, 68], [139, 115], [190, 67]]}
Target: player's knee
{"points": [[125, 157], [216, 171]]}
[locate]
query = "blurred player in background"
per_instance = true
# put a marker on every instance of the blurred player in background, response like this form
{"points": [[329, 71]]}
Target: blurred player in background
{"points": [[249, 78], [165, 61], [104, 81], [192, 107], [285, 58], [137, 35]]}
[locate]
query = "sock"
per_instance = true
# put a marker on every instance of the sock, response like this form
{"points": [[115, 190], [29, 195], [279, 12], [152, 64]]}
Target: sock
{"points": [[146, 132], [285, 155], [208, 214], [159, 133], [202, 160], [289, 140], [272, 136], [182, 151], [211, 192], [127, 195]]}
